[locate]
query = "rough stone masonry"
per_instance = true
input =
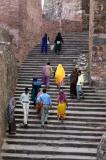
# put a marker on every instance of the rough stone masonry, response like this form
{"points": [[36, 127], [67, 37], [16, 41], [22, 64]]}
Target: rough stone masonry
{"points": [[22, 19], [65, 16], [7, 77]]}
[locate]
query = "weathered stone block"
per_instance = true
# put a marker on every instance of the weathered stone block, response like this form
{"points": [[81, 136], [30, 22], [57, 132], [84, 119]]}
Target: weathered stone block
{"points": [[23, 20], [7, 78]]}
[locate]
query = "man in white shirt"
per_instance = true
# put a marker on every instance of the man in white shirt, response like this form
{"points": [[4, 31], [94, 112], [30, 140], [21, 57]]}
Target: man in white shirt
{"points": [[79, 85], [24, 99]]}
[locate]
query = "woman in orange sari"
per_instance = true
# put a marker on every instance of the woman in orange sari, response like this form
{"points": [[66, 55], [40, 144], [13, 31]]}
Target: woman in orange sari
{"points": [[62, 105], [59, 75]]}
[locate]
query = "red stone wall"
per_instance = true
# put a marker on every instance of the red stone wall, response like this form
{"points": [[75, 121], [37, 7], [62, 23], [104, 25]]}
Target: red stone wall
{"points": [[100, 16], [22, 18], [71, 26], [51, 28], [67, 19], [98, 54], [9, 10], [8, 78], [9, 19], [31, 26], [98, 73]]}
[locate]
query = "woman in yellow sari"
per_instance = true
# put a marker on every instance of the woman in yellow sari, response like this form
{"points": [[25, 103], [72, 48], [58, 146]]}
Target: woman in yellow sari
{"points": [[62, 104], [59, 75]]}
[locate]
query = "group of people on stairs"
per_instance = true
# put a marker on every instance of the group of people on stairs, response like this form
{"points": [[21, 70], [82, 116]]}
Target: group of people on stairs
{"points": [[41, 99], [56, 46], [44, 104]]}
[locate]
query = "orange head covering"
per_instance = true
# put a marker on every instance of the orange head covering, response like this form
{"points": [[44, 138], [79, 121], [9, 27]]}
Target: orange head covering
{"points": [[59, 74]]}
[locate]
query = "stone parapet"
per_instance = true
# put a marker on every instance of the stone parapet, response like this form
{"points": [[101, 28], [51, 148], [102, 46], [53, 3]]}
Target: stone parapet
{"points": [[101, 151]]}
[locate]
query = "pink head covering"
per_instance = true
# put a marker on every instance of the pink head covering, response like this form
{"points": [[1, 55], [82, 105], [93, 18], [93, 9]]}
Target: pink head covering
{"points": [[61, 97]]}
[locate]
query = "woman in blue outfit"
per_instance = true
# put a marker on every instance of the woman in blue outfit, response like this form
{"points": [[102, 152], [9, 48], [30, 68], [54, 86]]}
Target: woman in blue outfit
{"points": [[44, 45]]}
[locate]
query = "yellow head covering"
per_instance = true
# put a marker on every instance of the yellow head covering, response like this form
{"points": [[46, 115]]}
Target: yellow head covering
{"points": [[59, 74]]}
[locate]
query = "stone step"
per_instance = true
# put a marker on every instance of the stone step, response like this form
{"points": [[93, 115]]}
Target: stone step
{"points": [[54, 122], [56, 60], [93, 100], [35, 70], [24, 156], [71, 113], [42, 62], [21, 88], [68, 118], [39, 66], [35, 149], [68, 52], [52, 87], [68, 127], [84, 107], [72, 108], [58, 143], [83, 40], [56, 132], [96, 94], [68, 98], [80, 103], [69, 45]]}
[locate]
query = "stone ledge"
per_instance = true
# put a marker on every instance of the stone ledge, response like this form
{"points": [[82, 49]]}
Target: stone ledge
{"points": [[101, 150]]}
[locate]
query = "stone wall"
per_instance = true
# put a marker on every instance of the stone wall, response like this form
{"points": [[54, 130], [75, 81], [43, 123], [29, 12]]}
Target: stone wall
{"points": [[22, 19], [22, 22], [99, 61], [7, 77], [98, 55], [65, 16], [72, 16], [9, 20], [100, 16], [30, 26]]}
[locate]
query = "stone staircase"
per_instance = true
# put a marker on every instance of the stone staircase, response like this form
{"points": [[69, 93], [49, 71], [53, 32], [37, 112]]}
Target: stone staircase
{"points": [[77, 138]]}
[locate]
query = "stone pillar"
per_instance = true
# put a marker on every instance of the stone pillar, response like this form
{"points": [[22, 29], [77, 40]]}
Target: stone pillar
{"points": [[91, 32]]}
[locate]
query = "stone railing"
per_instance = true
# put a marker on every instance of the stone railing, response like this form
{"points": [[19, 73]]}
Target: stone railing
{"points": [[101, 150], [82, 64]]}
